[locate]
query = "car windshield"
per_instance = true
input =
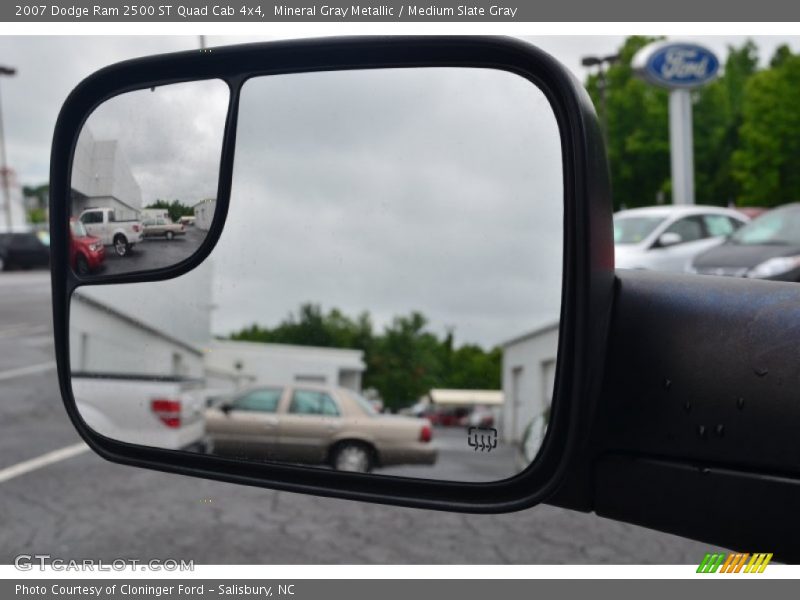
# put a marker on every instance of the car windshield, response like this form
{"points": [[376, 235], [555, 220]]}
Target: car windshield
{"points": [[632, 230], [78, 230], [777, 227], [365, 404]]}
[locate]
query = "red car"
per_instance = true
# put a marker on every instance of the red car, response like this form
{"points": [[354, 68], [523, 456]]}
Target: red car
{"points": [[86, 253], [447, 417]]}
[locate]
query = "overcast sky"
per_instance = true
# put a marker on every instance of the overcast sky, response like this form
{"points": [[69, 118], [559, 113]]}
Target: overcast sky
{"points": [[434, 191], [438, 190], [49, 67], [171, 138]]}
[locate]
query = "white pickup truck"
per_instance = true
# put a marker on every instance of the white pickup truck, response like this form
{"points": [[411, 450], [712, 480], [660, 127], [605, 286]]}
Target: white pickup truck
{"points": [[104, 223], [162, 412]]}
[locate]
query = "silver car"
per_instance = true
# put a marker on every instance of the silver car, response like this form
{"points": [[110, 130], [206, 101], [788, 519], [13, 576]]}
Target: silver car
{"points": [[667, 238]]}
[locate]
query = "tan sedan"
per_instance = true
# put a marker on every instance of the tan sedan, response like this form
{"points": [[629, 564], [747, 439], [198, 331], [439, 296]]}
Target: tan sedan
{"points": [[162, 227], [316, 425]]}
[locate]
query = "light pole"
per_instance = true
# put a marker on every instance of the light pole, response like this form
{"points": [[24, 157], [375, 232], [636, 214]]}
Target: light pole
{"points": [[601, 62], [3, 167]]}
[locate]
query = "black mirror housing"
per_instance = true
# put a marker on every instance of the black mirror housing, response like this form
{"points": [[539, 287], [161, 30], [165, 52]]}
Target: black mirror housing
{"points": [[588, 270]]}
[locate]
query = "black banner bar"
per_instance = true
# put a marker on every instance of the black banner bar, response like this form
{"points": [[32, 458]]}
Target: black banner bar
{"points": [[405, 589], [308, 11]]}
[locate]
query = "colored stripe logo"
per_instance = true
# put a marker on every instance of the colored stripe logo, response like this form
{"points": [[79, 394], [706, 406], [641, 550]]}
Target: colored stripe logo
{"points": [[736, 562]]}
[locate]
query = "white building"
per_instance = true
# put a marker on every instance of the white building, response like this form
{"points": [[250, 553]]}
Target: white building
{"points": [[159, 328], [204, 213], [529, 368], [101, 177], [16, 206], [105, 340], [164, 329], [284, 363]]}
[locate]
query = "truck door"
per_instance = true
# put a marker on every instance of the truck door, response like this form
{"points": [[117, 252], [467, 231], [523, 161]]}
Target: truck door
{"points": [[93, 222]]}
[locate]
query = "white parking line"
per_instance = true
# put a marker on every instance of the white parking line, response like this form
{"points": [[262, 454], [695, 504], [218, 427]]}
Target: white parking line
{"points": [[42, 461], [32, 370]]}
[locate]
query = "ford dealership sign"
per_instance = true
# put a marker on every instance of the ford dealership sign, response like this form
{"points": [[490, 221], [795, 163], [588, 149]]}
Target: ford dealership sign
{"points": [[676, 65]]}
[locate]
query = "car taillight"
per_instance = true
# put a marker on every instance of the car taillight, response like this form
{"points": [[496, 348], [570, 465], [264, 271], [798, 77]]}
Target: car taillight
{"points": [[136, 228], [169, 411], [426, 434]]}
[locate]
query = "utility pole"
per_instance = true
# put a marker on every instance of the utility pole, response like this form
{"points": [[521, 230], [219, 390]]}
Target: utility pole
{"points": [[602, 63], [3, 166]]}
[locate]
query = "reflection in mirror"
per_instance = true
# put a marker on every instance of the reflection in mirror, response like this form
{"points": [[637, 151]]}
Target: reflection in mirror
{"points": [[144, 178], [384, 297]]}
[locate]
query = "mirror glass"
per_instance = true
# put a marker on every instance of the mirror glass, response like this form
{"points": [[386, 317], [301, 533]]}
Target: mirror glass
{"points": [[144, 174], [384, 297]]}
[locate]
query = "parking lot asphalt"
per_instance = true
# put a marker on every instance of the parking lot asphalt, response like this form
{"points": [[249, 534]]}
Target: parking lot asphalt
{"points": [[75, 505], [154, 252]]}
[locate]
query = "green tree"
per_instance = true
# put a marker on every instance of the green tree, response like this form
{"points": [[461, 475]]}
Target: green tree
{"points": [[37, 215], [311, 327], [767, 163], [782, 52], [717, 119], [474, 368], [40, 192], [174, 209], [404, 362], [638, 130]]}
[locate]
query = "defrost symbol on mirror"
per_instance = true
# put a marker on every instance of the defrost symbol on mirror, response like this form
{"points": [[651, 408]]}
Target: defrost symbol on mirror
{"points": [[482, 438]]}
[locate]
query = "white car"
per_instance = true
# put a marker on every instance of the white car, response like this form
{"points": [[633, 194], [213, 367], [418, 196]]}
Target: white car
{"points": [[667, 238]]}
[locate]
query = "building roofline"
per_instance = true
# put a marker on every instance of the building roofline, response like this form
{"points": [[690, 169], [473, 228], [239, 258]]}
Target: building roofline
{"points": [[536, 332], [355, 355], [137, 323]]}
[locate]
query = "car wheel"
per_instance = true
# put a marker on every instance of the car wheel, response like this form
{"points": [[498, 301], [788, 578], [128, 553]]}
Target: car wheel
{"points": [[121, 246], [82, 265], [169, 235], [353, 457]]}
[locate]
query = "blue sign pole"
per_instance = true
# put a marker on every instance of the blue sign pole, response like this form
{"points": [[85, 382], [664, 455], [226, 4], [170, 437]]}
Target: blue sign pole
{"points": [[679, 67]]}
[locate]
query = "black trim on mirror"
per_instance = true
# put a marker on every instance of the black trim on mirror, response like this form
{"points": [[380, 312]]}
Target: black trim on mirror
{"points": [[587, 284]]}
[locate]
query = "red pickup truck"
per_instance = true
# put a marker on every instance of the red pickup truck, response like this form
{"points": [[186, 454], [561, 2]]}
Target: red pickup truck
{"points": [[86, 252]]}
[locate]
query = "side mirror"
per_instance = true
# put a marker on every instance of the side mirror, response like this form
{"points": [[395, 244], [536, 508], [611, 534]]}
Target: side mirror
{"points": [[435, 197], [669, 238], [226, 408]]}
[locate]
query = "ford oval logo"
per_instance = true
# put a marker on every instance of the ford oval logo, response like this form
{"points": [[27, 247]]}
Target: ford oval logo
{"points": [[676, 65]]}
